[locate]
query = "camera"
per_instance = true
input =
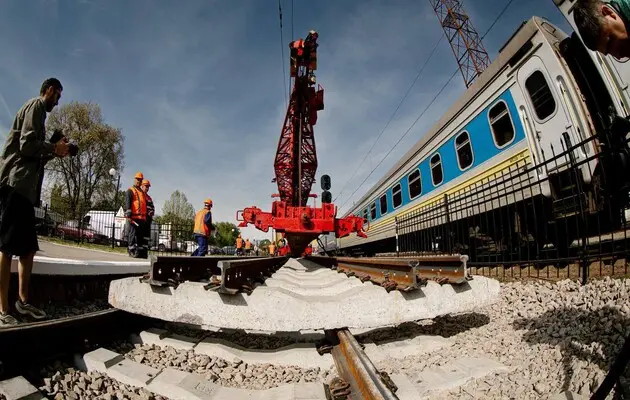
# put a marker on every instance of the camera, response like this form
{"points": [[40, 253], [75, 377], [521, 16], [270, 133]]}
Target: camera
{"points": [[73, 149]]}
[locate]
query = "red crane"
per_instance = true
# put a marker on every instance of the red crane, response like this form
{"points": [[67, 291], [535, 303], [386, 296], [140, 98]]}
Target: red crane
{"points": [[296, 164]]}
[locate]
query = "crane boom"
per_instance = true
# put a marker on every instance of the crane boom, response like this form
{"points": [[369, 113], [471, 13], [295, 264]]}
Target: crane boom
{"points": [[295, 165]]}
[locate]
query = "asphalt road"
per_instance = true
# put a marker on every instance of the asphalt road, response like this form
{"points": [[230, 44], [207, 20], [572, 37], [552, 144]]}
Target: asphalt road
{"points": [[48, 249]]}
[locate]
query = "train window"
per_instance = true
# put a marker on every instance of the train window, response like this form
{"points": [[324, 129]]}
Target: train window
{"points": [[373, 211], [415, 184], [397, 195], [464, 150], [383, 204], [540, 94], [501, 124], [436, 169], [365, 213]]}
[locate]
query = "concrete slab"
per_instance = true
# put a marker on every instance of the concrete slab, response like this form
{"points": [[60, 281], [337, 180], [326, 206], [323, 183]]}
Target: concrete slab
{"points": [[176, 384], [362, 307], [119, 368], [18, 388], [455, 373], [303, 355], [66, 266]]}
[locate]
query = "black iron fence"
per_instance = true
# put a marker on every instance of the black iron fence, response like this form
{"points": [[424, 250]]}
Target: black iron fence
{"points": [[106, 229], [562, 217]]}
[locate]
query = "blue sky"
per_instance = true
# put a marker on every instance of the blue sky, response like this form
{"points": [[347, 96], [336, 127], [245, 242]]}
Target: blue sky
{"points": [[197, 86]]}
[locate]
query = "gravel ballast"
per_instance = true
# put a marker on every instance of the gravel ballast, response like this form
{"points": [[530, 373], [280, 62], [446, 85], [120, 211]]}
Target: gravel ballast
{"points": [[230, 373], [555, 337]]}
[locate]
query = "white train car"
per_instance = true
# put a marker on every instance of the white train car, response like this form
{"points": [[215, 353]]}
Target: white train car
{"points": [[534, 115]]}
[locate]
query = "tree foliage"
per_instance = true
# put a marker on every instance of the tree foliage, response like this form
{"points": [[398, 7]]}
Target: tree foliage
{"points": [[227, 233], [177, 210], [83, 180]]}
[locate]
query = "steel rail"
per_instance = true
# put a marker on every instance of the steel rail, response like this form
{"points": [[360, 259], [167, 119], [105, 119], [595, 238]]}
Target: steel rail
{"points": [[174, 270], [358, 377], [401, 274], [241, 275], [23, 345]]}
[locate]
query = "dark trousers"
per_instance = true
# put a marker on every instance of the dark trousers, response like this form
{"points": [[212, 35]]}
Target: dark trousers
{"points": [[202, 242], [137, 245]]}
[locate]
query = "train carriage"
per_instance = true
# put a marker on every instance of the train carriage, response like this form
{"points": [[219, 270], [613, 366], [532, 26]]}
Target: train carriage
{"points": [[516, 162]]}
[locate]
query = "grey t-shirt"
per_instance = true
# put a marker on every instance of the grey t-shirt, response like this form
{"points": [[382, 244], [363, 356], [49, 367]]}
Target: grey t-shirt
{"points": [[26, 151]]}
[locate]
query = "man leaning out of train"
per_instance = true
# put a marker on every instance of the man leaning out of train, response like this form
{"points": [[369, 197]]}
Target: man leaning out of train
{"points": [[604, 26]]}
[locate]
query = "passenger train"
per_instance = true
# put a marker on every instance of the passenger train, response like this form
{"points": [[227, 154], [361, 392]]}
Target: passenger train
{"points": [[543, 95]]}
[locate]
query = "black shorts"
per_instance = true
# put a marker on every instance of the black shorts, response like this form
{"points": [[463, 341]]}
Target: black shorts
{"points": [[18, 236]]}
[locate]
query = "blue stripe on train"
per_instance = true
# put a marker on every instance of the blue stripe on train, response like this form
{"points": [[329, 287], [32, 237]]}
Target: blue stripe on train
{"points": [[483, 146]]}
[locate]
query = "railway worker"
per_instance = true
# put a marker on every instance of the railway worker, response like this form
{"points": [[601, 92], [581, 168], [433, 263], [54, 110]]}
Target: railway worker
{"points": [[239, 245], [136, 214], [248, 247], [146, 184], [22, 162], [272, 249], [604, 26], [203, 228]]}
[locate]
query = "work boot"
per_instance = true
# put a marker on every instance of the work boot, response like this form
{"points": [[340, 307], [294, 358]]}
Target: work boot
{"points": [[27, 309], [7, 320]]}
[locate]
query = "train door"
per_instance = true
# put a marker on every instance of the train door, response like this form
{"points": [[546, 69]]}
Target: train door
{"points": [[552, 128]]}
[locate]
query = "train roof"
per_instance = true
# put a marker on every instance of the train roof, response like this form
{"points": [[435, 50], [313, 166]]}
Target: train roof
{"points": [[520, 38]]}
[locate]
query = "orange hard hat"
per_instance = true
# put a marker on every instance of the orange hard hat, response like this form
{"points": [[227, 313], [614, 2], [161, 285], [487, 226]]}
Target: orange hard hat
{"points": [[139, 175], [146, 183], [207, 201]]}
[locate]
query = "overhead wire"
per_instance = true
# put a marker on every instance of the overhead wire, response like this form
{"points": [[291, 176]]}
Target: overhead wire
{"points": [[284, 74], [426, 108], [391, 118]]}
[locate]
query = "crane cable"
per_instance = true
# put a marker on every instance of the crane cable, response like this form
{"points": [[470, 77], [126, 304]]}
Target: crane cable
{"points": [[426, 108]]}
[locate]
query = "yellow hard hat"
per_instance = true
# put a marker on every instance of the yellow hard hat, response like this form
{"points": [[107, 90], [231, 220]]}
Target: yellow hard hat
{"points": [[139, 175], [207, 201], [146, 183]]}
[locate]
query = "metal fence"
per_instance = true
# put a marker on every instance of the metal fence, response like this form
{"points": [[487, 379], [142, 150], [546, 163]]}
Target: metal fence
{"points": [[109, 229], [564, 217]]}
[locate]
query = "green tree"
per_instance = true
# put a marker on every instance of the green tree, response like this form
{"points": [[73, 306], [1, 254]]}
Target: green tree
{"points": [[100, 148], [178, 212], [227, 233]]}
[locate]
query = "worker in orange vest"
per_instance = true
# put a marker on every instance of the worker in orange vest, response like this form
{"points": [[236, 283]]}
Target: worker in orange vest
{"points": [[272, 249], [150, 211], [136, 214], [203, 228], [239, 245], [248, 246]]}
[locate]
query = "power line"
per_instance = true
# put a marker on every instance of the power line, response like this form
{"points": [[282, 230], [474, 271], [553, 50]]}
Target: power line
{"points": [[284, 74], [292, 8], [426, 108], [391, 118]]}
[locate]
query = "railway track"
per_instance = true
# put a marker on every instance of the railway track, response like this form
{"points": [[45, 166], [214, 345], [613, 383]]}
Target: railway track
{"points": [[26, 344], [209, 292]]}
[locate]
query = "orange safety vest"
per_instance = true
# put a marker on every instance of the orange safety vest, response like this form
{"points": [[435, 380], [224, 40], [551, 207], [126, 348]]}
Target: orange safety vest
{"points": [[138, 205], [272, 249], [248, 245], [239, 243], [200, 226]]}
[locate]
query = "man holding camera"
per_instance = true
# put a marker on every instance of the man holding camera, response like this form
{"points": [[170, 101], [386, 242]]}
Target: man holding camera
{"points": [[22, 162]]}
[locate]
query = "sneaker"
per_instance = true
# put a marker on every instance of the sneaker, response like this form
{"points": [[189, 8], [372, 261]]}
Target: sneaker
{"points": [[7, 320], [27, 309]]}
